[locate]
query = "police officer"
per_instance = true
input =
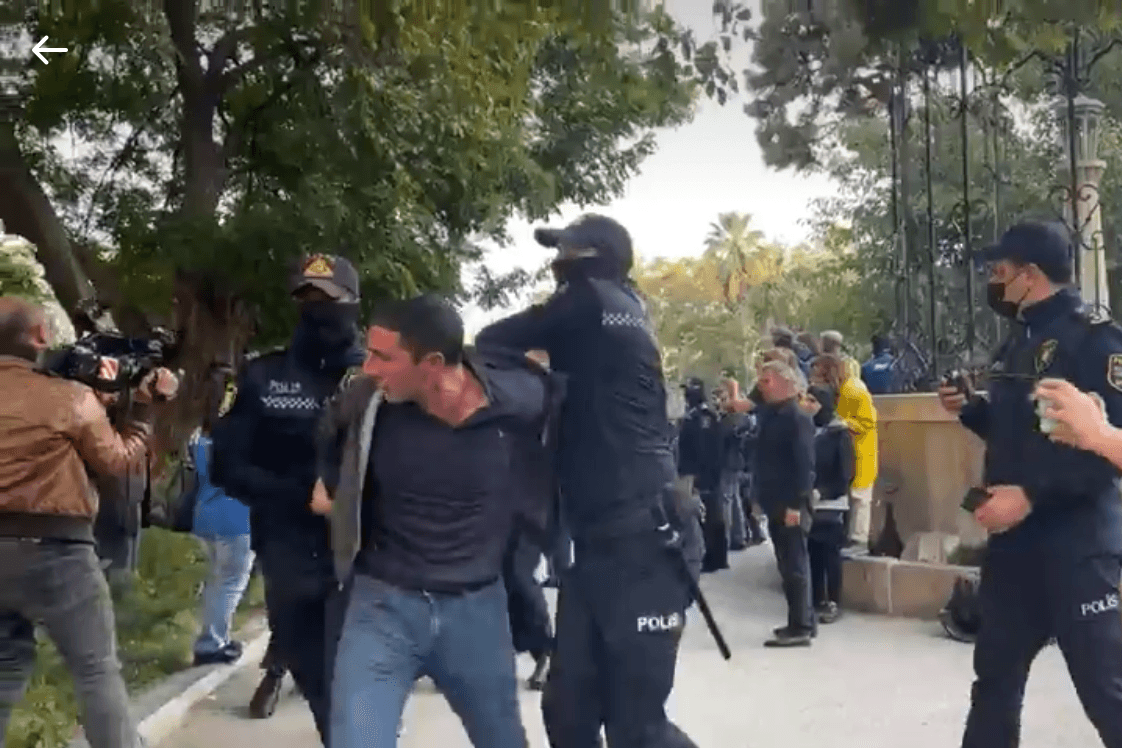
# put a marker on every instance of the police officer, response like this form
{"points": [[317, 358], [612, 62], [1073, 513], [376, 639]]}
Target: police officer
{"points": [[1054, 559], [622, 605], [265, 456], [702, 455]]}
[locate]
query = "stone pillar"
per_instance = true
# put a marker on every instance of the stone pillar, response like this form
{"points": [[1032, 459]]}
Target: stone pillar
{"points": [[1088, 220], [1080, 120]]}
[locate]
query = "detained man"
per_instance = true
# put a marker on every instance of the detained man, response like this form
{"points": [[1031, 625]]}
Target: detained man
{"points": [[420, 473]]}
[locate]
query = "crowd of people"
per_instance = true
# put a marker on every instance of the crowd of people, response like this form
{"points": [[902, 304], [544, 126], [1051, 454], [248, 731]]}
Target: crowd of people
{"points": [[797, 455], [397, 488]]}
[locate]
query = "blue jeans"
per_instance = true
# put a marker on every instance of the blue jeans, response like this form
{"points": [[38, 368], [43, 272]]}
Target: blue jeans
{"points": [[391, 637], [231, 562]]}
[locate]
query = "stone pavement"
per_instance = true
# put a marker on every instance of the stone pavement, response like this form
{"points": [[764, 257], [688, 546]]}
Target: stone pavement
{"points": [[868, 682]]}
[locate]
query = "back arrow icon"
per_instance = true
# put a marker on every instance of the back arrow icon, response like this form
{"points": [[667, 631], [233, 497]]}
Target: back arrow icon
{"points": [[39, 49]]}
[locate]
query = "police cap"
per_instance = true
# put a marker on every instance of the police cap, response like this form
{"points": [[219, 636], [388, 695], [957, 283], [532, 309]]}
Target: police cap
{"points": [[694, 383], [591, 235], [333, 275], [1045, 244]]}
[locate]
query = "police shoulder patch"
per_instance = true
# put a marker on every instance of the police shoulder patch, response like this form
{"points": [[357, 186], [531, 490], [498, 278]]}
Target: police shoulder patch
{"points": [[1044, 354], [228, 397], [349, 376], [1114, 371]]}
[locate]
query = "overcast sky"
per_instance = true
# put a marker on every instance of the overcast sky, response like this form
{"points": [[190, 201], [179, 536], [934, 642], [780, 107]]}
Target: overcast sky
{"points": [[707, 167]]}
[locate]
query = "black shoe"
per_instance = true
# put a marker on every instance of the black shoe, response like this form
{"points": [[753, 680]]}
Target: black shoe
{"points": [[790, 638], [552, 582], [786, 631], [738, 546], [537, 680], [829, 613], [758, 540], [265, 698], [228, 654]]}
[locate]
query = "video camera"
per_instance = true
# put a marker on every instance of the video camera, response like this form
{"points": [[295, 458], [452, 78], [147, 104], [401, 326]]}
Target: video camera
{"points": [[135, 357]]}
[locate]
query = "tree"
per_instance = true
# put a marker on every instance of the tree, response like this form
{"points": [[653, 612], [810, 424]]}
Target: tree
{"points": [[699, 333], [216, 147], [708, 324]]}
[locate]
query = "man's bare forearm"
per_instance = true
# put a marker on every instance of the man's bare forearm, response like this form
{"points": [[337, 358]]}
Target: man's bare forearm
{"points": [[1107, 443]]}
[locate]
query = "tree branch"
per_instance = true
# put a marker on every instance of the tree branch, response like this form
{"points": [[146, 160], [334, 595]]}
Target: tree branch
{"points": [[181, 24], [222, 51], [234, 137]]}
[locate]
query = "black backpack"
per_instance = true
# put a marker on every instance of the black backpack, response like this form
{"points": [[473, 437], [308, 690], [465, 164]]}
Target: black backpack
{"points": [[182, 493], [962, 616]]}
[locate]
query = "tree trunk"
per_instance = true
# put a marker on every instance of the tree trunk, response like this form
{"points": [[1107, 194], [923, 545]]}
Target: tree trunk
{"points": [[215, 326], [204, 173], [26, 210]]}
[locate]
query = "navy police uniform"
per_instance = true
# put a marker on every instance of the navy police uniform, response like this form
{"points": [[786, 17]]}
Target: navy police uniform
{"points": [[1057, 573], [702, 454], [622, 605], [265, 457]]}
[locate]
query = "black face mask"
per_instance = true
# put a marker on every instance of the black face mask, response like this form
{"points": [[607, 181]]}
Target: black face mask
{"points": [[995, 297], [567, 269], [329, 325]]}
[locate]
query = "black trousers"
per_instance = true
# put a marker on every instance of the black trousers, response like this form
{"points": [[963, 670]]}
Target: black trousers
{"points": [[305, 617], [751, 521], [715, 530], [620, 618], [1029, 595], [531, 625], [793, 559], [824, 546]]}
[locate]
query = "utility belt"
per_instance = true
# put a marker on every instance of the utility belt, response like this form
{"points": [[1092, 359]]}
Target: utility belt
{"points": [[633, 523], [662, 515]]}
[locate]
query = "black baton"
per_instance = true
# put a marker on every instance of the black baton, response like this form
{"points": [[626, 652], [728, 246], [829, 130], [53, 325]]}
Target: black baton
{"points": [[674, 545], [703, 606]]}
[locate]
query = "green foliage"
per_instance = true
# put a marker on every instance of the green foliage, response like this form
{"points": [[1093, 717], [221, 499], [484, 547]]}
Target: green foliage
{"points": [[156, 626], [395, 135], [713, 313], [17, 279]]}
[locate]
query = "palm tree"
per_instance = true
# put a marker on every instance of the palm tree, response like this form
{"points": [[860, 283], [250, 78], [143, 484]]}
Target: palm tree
{"points": [[753, 275], [735, 247]]}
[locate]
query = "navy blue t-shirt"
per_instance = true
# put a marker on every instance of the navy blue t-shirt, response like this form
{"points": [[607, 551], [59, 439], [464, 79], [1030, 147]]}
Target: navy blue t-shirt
{"points": [[437, 501]]}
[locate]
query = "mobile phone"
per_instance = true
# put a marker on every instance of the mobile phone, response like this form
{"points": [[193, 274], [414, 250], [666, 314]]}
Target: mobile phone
{"points": [[974, 498]]}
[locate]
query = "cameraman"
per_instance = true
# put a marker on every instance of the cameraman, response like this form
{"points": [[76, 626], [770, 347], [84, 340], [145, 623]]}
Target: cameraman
{"points": [[50, 429]]}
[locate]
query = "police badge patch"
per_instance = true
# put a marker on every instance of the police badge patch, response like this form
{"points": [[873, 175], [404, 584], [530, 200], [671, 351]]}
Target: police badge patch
{"points": [[1114, 371], [318, 266], [1044, 355]]}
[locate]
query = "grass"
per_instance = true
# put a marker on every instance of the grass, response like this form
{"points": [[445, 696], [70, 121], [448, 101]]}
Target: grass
{"points": [[157, 621]]}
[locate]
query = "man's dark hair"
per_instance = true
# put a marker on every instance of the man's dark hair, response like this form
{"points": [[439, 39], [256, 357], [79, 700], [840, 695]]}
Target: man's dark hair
{"points": [[18, 318], [881, 344], [427, 324], [781, 337]]}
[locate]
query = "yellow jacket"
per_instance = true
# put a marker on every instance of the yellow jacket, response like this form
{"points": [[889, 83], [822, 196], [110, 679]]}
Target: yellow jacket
{"points": [[855, 407]]}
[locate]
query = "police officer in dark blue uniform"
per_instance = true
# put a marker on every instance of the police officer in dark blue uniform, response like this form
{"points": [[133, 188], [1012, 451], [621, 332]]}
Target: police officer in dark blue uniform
{"points": [[702, 454], [265, 457], [622, 605], [1054, 559]]}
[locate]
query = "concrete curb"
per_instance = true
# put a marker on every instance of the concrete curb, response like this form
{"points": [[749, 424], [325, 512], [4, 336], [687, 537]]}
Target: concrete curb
{"points": [[165, 705], [161, 723]]}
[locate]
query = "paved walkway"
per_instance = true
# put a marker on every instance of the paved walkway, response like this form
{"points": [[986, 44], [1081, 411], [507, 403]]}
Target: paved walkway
{"points": [[868, 682]]}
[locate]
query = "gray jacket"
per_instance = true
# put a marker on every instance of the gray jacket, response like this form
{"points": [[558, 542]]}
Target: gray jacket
{"points": [[346, 430]]}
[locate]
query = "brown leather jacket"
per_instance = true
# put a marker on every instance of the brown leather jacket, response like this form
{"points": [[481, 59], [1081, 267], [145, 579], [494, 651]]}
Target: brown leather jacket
{"points": [[50, 430]]}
